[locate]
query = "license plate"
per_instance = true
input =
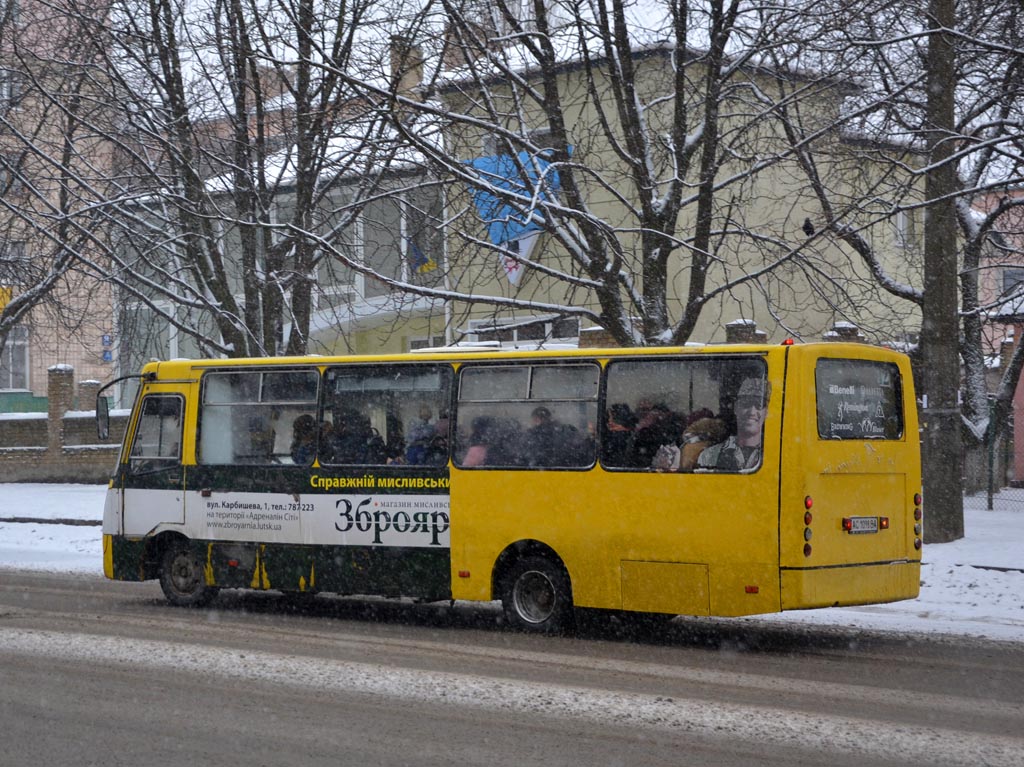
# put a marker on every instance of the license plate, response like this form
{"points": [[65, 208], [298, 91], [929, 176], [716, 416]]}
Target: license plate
{"points": [[861, 525]]}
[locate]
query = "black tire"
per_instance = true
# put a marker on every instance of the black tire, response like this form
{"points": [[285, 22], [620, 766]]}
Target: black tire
{"points": [[182, 578], [537, 597]]}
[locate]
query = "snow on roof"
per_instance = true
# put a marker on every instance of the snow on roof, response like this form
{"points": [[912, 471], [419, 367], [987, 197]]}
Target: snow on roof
{"points": [[347, 153]]}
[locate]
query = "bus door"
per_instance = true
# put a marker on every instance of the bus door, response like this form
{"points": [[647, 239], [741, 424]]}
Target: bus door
{"points": [[151, 476], [249, 487]]}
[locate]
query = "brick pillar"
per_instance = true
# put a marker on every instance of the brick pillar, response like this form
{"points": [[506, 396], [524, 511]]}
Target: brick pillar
{"points": [[87, 394], [596, 338], [844, 331], [744, 332], [60, 391]]}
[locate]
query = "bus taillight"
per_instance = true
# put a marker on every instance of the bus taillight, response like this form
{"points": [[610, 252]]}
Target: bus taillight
{"points": [[883, 523]]}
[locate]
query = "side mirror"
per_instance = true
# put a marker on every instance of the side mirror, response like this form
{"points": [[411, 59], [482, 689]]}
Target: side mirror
{"points": [[102, 418], [103, 409]]}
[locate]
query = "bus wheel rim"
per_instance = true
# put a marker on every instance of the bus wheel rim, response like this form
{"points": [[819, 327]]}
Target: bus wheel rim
{"points": [[534, 597], [184, 574]]}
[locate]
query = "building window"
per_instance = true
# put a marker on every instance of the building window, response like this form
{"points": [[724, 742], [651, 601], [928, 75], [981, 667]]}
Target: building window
{"points": [[12, 186], [12, 88], [12, 256], [14, 359], [489, 144], [1013, 277], [531, 330], [425, 343], [493, 18], [10, 11], [903, 229]]}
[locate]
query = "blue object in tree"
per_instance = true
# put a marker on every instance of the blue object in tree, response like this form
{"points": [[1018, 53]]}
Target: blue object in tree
{"points": [[509, 220]]}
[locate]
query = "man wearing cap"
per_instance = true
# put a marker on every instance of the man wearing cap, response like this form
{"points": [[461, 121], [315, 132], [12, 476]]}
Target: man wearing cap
{"points": [[743, 449]]}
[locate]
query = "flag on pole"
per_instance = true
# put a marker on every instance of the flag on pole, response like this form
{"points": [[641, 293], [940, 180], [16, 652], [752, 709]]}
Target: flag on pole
{"points": [[421, 262], [523, 248]]}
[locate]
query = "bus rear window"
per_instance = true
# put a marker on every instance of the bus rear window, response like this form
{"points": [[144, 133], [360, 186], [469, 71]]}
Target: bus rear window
{"points": [[858, 399]]}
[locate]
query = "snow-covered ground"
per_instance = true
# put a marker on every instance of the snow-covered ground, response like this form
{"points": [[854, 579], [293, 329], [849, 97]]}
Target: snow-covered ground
{"points": [[959, 593]]}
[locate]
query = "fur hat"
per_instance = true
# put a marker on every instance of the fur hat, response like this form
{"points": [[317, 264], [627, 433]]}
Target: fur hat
{"points": [[708, 430]]}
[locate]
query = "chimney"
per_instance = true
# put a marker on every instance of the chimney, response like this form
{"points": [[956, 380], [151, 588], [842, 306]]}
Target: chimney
{"points": [[406, 66]]}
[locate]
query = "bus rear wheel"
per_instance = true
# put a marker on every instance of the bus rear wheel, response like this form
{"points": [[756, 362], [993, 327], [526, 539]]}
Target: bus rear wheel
{"points": [[182, 578], [536, 596]]}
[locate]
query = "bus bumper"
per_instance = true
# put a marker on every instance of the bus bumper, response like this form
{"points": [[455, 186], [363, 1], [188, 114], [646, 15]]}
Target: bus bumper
{"points": [[124, 558], [850, 585]]}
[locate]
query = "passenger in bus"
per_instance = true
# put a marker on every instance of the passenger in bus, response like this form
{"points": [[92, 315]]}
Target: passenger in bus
{"points": [[348, 440], [437, 452], [550, 442], [443, 424], [480, 436], [261, 437], [680, 453], [618, 436], [657, 425], [303, 447], [420, 437], [702, 430], [542, 439], [743, 449]]}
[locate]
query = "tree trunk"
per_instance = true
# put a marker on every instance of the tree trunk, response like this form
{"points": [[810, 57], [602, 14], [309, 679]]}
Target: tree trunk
{"points": [[942, 453]]}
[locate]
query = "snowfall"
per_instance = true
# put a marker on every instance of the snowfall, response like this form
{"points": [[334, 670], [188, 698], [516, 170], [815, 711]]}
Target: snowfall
{"points": [[970, 587]]}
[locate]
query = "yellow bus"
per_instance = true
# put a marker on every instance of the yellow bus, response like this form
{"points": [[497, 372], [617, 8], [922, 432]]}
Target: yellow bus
{"points": [[718, 480]]}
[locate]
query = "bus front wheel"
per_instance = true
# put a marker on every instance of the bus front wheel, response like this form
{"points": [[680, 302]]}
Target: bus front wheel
{"points": [[537, 597], [182, 578]]}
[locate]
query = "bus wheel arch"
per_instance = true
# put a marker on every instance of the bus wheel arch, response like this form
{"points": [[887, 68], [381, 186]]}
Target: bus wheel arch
{"points": [[182, 576], [535, 589]]}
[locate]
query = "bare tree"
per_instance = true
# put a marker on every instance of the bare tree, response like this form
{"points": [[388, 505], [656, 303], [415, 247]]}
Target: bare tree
{"points": [[233, 137], [645, 141], [49, 154], [945, 84]]}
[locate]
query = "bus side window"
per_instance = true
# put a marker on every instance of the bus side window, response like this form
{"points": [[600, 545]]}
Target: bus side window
{"points": [[247, 416], [535, 416], [157, 443], [679, 414], [385, 415]]}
